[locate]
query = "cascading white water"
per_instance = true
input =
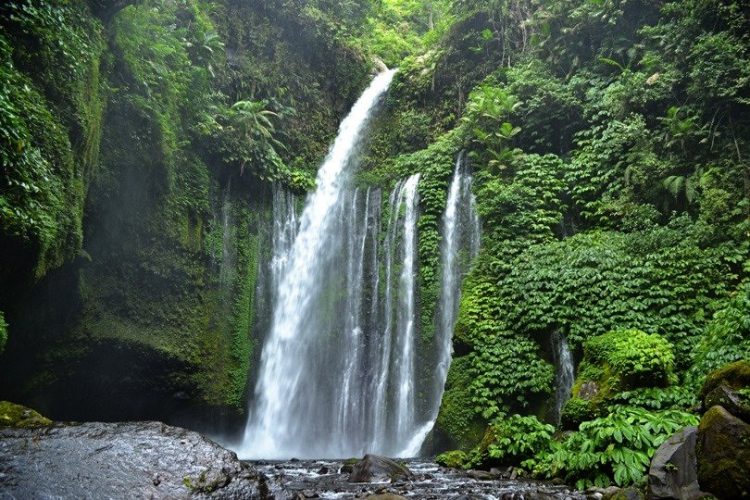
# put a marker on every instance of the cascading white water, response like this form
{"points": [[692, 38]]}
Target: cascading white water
{"points": [[565, 372], [293, 410], [460, 232], [338, 374], [406, 318]]}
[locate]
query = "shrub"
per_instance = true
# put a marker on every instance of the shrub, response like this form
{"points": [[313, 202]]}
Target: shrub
{"points": [[637, 358], [616, 448], [510, 440], [454, 459], [576, 411]]}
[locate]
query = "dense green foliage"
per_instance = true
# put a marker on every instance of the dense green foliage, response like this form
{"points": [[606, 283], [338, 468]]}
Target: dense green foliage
{"points": [[50, 123], [638, 359], [613, 449], [511, 440], [608, 142]]}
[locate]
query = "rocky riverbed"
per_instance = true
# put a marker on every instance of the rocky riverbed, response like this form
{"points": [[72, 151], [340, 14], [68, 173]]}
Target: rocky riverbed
{"points": [[330, 480], [154, 460]]}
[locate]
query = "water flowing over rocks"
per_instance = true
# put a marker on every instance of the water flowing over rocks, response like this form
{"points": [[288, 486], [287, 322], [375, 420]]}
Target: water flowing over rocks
{"points": [[120, 460], [427, 481]]}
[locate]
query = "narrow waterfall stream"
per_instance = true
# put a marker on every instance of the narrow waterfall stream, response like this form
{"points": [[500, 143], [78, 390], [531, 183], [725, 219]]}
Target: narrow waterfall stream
{"points": [[338, 374], [565, 372]]}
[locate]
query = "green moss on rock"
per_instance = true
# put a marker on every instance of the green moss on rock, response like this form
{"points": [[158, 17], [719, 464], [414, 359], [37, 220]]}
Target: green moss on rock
{"points": [[457, 419], [723, 452], [734, 375], [15, 415]]}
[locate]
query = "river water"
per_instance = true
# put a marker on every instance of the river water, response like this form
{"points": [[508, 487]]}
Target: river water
{"points": [[324, 479]]}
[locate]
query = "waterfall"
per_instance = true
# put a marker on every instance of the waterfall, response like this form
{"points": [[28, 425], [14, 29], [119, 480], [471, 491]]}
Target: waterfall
{"points": [[297, 409], [406, 317], [565, 372], [460, 232], [338, 374]]}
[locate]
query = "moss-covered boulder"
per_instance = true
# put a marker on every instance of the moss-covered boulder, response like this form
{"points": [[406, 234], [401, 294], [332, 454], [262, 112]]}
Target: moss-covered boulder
{"points": [[617, 361], [734, 375], [723, 453], [15, 415]]}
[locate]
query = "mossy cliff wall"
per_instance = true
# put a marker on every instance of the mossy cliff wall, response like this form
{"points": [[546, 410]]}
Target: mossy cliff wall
{"points": [[130, 240]]}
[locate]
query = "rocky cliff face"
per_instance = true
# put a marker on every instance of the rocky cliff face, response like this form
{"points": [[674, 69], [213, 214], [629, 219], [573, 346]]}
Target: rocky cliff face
{"points": [[144, 273]]}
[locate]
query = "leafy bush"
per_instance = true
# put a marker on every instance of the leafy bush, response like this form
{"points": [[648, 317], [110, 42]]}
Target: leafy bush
{"points": [[727, 336], [656, 398], [636, 357], [576, 411], [617, 448], [510, 440], [453, 459]]}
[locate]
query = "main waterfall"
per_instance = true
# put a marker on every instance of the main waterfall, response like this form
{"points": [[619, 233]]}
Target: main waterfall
{"points": [[339, 374]]}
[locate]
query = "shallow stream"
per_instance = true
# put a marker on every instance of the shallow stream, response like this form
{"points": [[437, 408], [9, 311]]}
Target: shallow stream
{"points": [[325, 479]]}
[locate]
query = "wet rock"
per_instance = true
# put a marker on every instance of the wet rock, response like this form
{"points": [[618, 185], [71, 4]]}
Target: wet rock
{"points": [[348, 466], [723, 453], [374, 468], [626, 494], [323, 470], [120, 460], [386, 496], [725, 396], [601, 493], [674, 469], [481, 475]]}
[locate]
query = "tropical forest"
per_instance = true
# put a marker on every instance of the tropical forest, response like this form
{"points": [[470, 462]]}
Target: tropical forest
{"points": [[387, 249]]}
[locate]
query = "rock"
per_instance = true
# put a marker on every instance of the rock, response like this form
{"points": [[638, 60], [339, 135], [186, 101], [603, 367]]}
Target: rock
{"points": [[734, 375], [386, 496], [723, 453], [589, 390], [348, 465], [323, 470], [120, 460], [626, 494], [374, 468], [13, 415], [725, 396], [674, 469], [481, 475]]}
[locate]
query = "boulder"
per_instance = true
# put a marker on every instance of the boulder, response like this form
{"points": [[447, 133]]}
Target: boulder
{"points": [[723, 454], [374, 468], [674, 469], [120, 460], [626, 494], [13, 415], [725, 396], [734, 375]]}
